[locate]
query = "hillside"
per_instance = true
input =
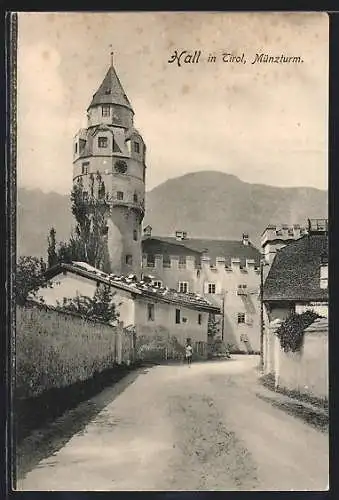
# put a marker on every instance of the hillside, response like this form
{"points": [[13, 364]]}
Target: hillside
{"points": [[205, 204]]}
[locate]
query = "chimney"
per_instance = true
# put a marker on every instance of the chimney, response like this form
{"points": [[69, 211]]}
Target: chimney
{"points": [[180, 235], [245, 239], [148, 231]]}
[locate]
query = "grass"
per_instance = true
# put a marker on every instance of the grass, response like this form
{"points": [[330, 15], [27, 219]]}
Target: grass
{"points": [[268, 381]]}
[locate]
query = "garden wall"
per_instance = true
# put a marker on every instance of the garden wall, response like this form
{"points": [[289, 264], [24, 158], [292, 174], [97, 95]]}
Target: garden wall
{"points": [[56, 349], [304, 371]]}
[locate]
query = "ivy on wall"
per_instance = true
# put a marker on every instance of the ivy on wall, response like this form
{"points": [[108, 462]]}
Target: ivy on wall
{"points": [[291, 331]]}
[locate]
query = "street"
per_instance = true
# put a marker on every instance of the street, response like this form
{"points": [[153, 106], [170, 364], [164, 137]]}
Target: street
{"points": [[181, 428]]}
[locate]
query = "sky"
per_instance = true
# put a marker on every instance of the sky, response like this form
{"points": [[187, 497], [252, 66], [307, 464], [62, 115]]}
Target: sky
{"points": [[265, 123]]}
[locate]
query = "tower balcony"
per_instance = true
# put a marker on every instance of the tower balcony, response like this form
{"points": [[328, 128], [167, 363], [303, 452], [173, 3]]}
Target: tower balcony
{"points": [[132, 205]]}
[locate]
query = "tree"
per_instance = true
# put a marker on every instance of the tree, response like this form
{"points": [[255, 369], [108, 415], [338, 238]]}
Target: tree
{"points": [[212, 326], [30, 276], [100, 307], [51, 251], [88, 241]]}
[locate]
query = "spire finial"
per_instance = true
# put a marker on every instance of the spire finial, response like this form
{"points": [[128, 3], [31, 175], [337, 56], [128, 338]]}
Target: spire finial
{"points": [[112, 54]]}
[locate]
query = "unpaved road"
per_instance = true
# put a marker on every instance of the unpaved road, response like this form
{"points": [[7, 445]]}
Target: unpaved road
{"points": [[180, 428]]}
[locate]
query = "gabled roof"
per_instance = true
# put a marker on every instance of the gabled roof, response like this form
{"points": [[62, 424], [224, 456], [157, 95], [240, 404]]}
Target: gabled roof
{"points": [[196, 246], [111, 91], [135, 287], [295, 271]]}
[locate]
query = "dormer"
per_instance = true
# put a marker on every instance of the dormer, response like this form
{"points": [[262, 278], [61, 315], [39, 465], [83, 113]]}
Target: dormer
{"points": [[135, 144], [79, 144]]}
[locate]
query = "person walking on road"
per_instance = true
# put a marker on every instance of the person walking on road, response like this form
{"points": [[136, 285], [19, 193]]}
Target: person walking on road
{"points": [[188, 353]]}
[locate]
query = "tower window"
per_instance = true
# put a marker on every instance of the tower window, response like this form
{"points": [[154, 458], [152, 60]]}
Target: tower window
{"points": [[129, 260], [136, 147], [84, 167], [102, 142], [150, 312], [135, 235], [199, 319], [177, 316], [120, 195], [211, 287], [106, 110], [85, 195], [241, 318], [107, 91], [135, 197], [76, 147]]}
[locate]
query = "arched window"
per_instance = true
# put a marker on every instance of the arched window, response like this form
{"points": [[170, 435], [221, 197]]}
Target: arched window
{"points": [[136, 147]]}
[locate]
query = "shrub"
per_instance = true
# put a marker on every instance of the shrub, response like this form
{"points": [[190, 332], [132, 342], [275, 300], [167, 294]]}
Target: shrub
{"points": [[291, 331], [158, 346], [29, 277]]}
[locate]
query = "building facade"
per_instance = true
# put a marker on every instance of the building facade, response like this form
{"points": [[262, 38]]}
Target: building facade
{"points": [[112, 147], [150, 310], [225, 272]]}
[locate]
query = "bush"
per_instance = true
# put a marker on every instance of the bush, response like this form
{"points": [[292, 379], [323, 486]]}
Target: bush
{"points": [[158, 347], [291, 331]]}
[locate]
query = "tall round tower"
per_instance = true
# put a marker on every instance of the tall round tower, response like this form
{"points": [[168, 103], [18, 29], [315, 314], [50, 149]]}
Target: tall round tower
{"points": [[112, 146]]}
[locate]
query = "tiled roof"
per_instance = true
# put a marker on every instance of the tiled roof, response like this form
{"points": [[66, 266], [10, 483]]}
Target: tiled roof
{"points": [[111, 91], [295, 271], [196, 246], [131, 284]]}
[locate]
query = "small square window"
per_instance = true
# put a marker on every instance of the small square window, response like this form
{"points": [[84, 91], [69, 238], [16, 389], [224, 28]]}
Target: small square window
{"points": [[150, 312], [120, 195], [241, 318], [150, 260], [166, 261], [136, 147], [129, 260], [157, 283], [102, 142], [106, 110], [211, 287], [182, 261], [183, 287]]}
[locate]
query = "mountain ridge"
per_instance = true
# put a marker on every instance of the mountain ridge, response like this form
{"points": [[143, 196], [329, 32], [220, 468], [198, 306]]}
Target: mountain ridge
{"points": [[206, 204]]}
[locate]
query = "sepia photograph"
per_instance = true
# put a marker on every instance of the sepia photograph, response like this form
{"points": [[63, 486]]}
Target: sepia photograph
{"points": [[171, 240]]}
